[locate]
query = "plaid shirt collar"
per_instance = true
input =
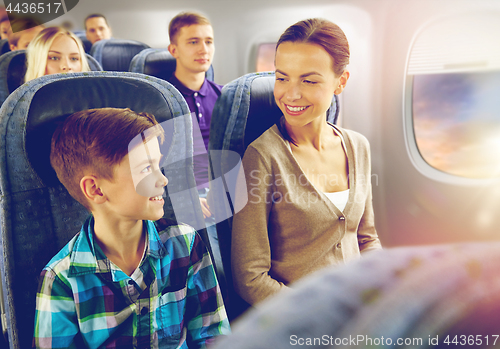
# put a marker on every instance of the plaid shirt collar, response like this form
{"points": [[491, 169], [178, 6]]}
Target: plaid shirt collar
{"points": [[88, 258]]}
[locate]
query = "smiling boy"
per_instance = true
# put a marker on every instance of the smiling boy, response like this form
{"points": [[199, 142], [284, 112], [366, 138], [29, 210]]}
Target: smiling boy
{"points": [[124, 280]]}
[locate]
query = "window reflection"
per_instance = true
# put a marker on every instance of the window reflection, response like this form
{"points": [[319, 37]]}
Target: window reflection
{"points": [[456, 118]]}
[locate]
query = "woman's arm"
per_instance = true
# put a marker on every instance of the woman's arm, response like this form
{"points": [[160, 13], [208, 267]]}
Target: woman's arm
{"points": [[367, 234], [250, 248]]}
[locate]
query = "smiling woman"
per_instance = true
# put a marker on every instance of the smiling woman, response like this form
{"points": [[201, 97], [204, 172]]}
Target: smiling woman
{"points": [[55, 50], [289, 230]]}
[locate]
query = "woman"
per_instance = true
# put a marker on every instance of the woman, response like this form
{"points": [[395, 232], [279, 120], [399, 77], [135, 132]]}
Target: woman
{"points": [[309, 191], [55, 50]]}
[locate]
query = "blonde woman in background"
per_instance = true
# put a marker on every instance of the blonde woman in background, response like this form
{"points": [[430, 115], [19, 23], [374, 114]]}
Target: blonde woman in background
{"points": [[55, 50]]}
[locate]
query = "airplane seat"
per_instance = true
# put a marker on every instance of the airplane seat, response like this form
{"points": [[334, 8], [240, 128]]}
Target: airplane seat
{"points": [[245, 109], [87, 45], [13, 70], [37, 215], [421, 296], [4, 46], [116, 54], [159, 63]]}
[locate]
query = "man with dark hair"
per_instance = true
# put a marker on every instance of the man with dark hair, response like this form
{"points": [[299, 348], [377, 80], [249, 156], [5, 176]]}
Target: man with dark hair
{"points": [[97, 28]]}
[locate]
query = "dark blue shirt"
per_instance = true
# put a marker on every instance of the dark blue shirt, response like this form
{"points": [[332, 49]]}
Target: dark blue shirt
{"points": [[200, 103]]}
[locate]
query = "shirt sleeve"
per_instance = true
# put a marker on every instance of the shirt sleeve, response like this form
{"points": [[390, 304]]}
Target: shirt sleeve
{"points": [[56, 324], [205, 313], [250, 247]]}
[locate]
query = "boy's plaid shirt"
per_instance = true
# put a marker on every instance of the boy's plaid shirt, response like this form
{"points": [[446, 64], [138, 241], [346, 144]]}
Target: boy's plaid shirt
{"points": [[172, 301]]}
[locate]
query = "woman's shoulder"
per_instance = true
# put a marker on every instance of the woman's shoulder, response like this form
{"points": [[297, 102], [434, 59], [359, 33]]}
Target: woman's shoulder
{"points": [[355, 138]]}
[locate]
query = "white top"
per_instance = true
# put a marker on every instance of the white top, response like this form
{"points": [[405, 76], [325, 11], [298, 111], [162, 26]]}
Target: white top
{"points": [[339, 198]]}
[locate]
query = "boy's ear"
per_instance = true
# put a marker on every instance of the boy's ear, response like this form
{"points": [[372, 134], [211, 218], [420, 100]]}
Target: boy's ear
{"points": [[91, 190]]}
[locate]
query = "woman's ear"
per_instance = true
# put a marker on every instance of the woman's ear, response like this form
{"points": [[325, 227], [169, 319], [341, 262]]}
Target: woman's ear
{"points": [[342, 82], [91, 189]]}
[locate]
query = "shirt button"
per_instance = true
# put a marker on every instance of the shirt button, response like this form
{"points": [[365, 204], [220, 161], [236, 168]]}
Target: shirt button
{"points": [[342, 218], [144, 311], [198, 104], [339, 245], [200, 115], [196, 94]]}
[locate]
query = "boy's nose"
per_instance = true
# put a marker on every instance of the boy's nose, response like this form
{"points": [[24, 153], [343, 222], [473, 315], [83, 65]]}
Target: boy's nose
{"points": [[149, 185], [162, 180]]}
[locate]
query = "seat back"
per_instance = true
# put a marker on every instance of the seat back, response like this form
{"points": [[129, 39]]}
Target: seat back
{"points": [[38, 216], [407, 297], [245, 109], [4, 46], [87, 45], [115, 54], [13, 70], [159, 63]]}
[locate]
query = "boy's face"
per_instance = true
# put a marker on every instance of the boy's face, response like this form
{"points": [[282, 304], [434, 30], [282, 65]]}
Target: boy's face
{"points": [[194, 49], [136, 192]]}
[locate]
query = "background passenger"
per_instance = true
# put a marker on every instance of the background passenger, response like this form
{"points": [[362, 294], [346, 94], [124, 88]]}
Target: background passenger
{"points": [[22, 32], [4, 27], [192, 45], [97, 28], [309, 182], [55, 50]]}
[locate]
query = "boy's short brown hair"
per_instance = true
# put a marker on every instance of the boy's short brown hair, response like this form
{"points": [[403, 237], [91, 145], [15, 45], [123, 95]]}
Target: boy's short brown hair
{"points": [[184, 19], [93, 142]]}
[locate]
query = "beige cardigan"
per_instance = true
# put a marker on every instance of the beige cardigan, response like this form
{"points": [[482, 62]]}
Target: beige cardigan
{"points": [[288, 229]]}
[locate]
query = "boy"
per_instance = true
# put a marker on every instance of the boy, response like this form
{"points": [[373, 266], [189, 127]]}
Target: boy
{"points": [[192, 45], [97, 28], [123, 281]]}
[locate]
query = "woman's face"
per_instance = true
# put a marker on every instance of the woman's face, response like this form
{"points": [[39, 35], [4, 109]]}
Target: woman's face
{"points": [[64, 56], [305, 82]]}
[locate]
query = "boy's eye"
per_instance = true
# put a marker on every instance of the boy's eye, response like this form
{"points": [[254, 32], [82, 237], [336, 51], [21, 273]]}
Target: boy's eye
{"points": [[310, 82], [193, 42], [280, 79], [146, 169]]}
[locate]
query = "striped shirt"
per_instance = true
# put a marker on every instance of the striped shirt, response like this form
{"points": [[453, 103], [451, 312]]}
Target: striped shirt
{"points": [[172, 300]]}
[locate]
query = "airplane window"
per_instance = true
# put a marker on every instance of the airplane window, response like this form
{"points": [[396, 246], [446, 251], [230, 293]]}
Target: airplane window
{"points": [[265, 57], [456, 119], [452, 114]]}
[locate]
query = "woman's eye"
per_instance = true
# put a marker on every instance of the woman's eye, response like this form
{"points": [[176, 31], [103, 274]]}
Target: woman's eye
{"points": [[310, 82], [75, 59], [54, 58]]}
